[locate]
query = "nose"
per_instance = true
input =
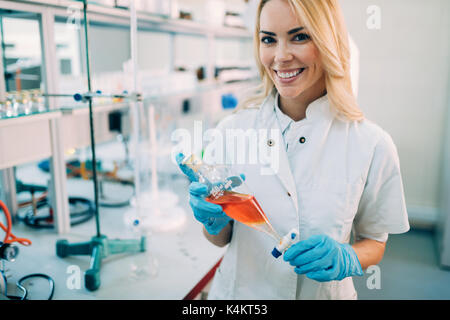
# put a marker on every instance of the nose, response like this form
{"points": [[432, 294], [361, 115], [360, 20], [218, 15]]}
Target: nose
{"points": [[283, 53]]}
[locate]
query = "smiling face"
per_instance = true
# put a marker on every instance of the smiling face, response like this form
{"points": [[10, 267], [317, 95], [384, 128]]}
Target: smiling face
{"points": [[289, 56]]}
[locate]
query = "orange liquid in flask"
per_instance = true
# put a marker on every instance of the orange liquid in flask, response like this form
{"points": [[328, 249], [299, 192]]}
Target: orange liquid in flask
{"points": [[245, 209]]}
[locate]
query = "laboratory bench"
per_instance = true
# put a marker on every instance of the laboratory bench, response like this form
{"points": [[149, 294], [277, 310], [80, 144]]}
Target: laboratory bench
{"points": [[174, 263]]}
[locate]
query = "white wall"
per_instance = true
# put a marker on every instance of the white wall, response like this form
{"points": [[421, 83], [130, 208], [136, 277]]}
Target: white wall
{"points": [[154, 50], [191, 51], [403, 87]]}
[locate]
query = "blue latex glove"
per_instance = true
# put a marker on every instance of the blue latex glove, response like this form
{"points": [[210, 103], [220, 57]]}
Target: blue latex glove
{"points": [[209, 214], [185, 169], [323, 259]]}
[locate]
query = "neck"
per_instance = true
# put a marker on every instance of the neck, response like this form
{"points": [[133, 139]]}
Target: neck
{"points": [[296, 107]]}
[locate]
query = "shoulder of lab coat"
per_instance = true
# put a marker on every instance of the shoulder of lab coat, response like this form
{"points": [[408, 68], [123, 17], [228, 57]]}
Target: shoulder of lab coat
{"points": [[382, 207]]}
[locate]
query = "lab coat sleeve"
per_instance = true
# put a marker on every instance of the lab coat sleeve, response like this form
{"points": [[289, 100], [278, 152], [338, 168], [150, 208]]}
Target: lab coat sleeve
{"points": [[382, 208]]}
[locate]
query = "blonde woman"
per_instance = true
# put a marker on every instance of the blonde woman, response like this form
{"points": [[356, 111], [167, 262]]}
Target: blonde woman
{"points": [[337, 174]]}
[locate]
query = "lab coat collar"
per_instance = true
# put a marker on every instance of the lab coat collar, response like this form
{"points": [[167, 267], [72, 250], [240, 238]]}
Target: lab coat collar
{"points": [[284, 120], [317, 110]]}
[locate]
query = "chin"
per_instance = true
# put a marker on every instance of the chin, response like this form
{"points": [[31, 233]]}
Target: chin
{"points": [[289, 92]]}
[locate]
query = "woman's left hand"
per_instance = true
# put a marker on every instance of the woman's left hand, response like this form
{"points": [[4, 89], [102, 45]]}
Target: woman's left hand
{"points": [[323, 259]]}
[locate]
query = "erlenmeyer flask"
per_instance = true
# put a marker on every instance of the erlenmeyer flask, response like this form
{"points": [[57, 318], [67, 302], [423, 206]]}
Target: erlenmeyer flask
{"points": [[230, 191]]}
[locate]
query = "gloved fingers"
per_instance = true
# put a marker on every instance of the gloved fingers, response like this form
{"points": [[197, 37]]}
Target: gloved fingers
{"points": [[208, 208], [236, 181], [294, 251], [301, 247], [209, 218], [179, 158], [309, 267], [322, 275], [185, 169], [211, 221], [316, 253], [198, 189]]}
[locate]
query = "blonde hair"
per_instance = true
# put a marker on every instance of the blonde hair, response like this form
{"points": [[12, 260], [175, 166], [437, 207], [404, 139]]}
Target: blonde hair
{"points": [[325, 23]]}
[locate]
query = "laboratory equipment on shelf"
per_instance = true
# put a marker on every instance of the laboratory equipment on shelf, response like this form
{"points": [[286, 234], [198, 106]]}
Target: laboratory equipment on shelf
{"points": [[99, 247], [230, 191], [20, 103]]}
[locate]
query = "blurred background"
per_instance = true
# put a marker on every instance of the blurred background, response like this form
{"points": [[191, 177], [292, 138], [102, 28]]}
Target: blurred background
{"points": [[191, 61]]}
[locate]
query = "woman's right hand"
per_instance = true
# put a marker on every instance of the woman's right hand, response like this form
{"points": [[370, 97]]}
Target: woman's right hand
{"points": [[209, 214]]}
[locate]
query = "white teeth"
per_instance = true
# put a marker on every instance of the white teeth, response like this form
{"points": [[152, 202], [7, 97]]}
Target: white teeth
{"points": [[289, 74]]}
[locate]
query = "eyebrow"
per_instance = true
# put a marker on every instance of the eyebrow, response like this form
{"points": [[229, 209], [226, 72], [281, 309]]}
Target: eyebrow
{"points": [[289, 32]]}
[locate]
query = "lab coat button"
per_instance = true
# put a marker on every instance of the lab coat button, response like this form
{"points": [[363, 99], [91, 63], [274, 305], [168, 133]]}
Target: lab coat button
{"points": [[270, 143], [302, 140], [289, 194]]}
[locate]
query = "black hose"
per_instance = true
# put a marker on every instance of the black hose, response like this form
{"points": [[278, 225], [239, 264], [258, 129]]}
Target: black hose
{"points": [[25, 291], [46, 222]]}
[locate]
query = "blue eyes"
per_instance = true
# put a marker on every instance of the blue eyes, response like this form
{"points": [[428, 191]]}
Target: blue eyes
{"points": [[267, 40], [301, 37], [297, 38]]}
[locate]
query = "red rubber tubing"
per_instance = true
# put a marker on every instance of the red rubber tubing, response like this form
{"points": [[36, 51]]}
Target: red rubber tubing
{"points": [[7, 229]]}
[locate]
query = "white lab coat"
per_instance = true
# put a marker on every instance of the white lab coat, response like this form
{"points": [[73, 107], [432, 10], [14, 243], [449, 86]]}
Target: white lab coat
{"points": [[345, 177]]}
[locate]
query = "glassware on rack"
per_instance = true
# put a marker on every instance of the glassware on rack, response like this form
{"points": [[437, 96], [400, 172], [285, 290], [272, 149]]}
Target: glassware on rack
{"points": [[15, 106], [230, 191], [25, 102], [37, 101], [9, 111]]}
